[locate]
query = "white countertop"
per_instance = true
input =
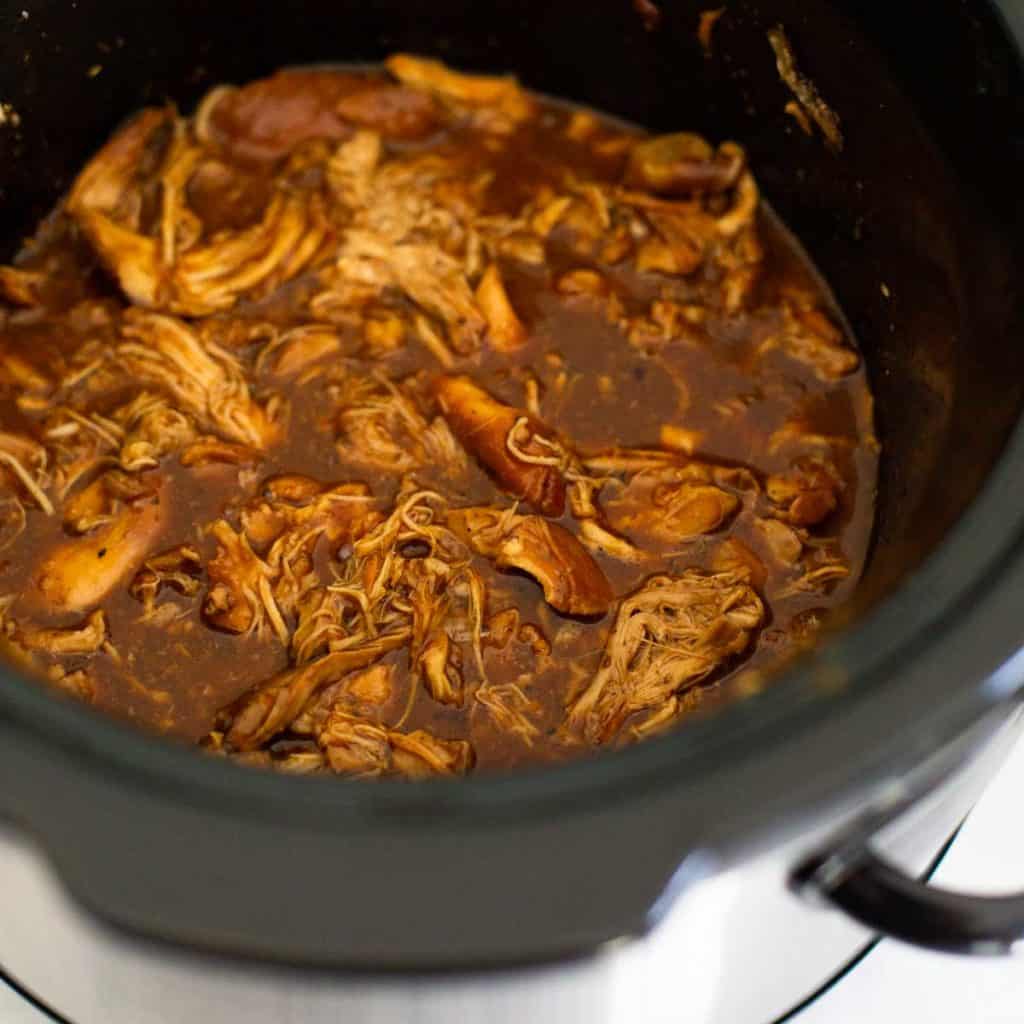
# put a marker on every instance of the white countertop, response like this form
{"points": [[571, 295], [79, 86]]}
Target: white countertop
{"points": [[895, 984]]}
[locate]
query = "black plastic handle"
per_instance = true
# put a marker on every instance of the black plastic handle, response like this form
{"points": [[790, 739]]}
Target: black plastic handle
{"points": [[883, 898]]}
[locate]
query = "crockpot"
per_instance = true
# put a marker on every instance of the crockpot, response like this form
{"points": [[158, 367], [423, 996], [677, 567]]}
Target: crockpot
{"points": [[719, 873]]}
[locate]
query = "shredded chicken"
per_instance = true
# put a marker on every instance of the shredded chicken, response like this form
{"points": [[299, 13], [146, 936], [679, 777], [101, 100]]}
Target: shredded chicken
{"points": [[415, 409], [808, 336], [669, 636], [272, 705], [361, 749], [163, 352], [382, 426], [511, 709], [160, 272]]}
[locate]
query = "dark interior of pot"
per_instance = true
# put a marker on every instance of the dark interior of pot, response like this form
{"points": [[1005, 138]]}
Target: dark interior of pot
{"points": [[913, 223]]}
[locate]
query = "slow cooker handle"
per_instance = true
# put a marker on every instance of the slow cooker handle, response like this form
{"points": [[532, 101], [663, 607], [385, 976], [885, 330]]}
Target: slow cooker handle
{"points": [[896, 905]]}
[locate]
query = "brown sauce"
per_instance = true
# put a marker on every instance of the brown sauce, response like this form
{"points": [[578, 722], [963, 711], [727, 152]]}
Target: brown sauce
{"points": [[411, 424]]}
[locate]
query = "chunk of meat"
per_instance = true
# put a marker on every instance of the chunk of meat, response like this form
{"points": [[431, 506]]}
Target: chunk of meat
{"points": [[103, 499], [782, 541], [341, 513], [362, 749], [105, 201], [76, 575], [298, 349], [511, 710], [434, 662], [271, 706], [381, 425], [505, 331], [504, 94], [573, 583], [373, 685], [266, 119], [431, 277], [683, 165], [809, 336], [364, 693], [153, 428], [419, 754], [490, 431], [669, 636], [178, 568], [240, 597], [212, 451], [164, 352], [214, 275], [85, 639], [733, 556], [178, 271], [355, 746], [805, 495], [671, 505], [395, 111], [21, 287], [24, 465]]}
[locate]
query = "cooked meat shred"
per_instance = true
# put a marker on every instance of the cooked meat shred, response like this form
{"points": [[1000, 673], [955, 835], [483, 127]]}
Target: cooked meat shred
{"points": [[407, 424]]}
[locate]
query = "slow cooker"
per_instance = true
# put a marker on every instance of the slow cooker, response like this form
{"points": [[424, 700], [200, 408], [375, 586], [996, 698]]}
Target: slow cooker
{"points": [[719, 873]]}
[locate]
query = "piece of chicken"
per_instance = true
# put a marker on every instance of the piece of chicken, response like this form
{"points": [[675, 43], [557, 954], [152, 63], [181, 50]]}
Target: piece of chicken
{"points": [[572, 581], [174, 270], [290, 531], [24, 466], [161, 351], [266, 119], [733, 556], [298, 349], [178, 568], [683, 164], [271, 706], [382, 426], [22, 287], [505, 95], [85, 639], [672, 504], [77, 574], [805, 495], [240, 597], [505, 331], [431, 278], [102, 500], [810, 337], [363, 750], [105, 200], [510, 709], [670, 635], [522, 455], [153, 428]]}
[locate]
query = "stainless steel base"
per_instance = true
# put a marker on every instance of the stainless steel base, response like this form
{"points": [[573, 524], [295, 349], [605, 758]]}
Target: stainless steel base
{"points": [[733, 947]]}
